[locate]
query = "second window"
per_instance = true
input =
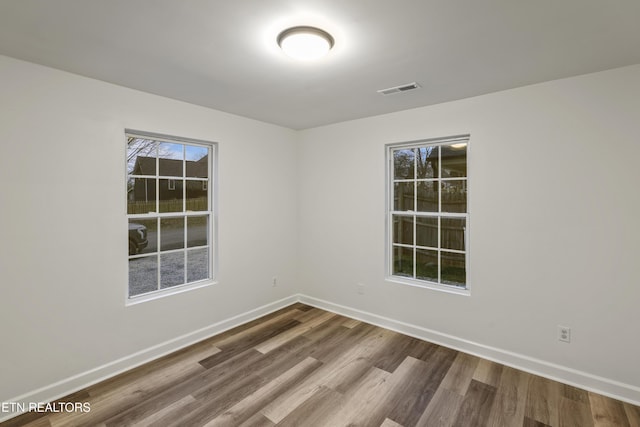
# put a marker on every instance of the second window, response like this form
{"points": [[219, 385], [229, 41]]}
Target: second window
{"points": [[428, 214]]}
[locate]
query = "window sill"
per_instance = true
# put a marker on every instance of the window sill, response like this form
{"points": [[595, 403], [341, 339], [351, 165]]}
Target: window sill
{"points": [[428, 285], [167, 292]]}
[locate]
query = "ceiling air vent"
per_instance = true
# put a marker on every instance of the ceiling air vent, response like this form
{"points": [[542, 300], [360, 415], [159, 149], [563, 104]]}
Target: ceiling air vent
{"points": [[398, 89]]}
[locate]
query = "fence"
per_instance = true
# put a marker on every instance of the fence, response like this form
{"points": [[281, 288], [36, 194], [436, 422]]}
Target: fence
{"points": [[174, 205]]}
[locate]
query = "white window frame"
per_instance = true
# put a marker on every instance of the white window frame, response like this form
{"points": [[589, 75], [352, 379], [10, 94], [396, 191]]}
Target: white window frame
{"points": [[390, 212], [211, 189]]}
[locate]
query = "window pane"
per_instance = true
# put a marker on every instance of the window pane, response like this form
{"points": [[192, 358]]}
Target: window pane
{"points": [[170, 159], [171, 195], [453, 269], [171, 269], [427, 162], [143, 275], [452, 233], [197, 264], [143, 236], [197, 231], [454, 160], [197, 196], [168, 182], [429, 189], [427, 265], [403, 161], [141, 156], [403, 196], [427, 196], [427, 232], [197, 161], [403, 229], [141, 195], [402, 261], [454, 196], [171, 233]]}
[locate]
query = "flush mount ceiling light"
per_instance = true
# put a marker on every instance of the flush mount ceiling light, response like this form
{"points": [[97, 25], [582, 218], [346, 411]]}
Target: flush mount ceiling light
{"points": [[305, 43]]}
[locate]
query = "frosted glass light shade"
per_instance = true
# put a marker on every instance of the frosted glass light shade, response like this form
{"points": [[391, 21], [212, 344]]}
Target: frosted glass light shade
{"points": [[305, 43]]}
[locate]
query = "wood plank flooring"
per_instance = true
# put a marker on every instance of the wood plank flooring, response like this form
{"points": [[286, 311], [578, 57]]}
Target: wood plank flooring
{"points": [[302, 366]]}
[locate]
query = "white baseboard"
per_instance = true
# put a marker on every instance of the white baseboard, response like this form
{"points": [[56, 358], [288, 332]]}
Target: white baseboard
{"points": [[607, 387], [566, 375], [85, 379]]}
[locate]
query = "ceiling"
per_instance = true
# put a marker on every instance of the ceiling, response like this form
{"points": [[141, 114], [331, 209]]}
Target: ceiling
{"points": [[222, 54]]}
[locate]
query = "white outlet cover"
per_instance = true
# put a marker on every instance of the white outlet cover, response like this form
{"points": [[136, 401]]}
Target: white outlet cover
{"points": [[564, 333]]}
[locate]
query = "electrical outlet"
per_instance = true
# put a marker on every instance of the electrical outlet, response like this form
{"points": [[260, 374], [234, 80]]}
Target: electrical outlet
{"points": [[360, 288], [564, 333], [274, 281]]}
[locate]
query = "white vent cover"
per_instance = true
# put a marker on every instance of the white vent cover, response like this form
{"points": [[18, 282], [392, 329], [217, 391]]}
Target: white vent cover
{"points": [[398, 89]]}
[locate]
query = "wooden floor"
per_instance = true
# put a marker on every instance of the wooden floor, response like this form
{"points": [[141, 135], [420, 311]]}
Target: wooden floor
{"points": [[302, 366]]}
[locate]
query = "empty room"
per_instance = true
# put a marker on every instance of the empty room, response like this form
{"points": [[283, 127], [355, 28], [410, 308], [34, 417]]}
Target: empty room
{"points": [[319, 213]]}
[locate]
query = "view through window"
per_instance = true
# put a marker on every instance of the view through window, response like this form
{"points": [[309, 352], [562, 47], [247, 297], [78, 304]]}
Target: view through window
{"points": [[169, 211], [428, 215]]}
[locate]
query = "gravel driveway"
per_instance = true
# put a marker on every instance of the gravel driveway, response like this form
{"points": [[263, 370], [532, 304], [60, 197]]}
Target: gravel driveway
{"points": [[143, 272]]}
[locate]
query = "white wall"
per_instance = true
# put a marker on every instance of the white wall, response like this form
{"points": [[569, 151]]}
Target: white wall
{"points": [[554, 204], [63, 241]]}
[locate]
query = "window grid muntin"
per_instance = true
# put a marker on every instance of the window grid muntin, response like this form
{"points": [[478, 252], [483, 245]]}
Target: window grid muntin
{"points": [[440, 215], [157, 215]]}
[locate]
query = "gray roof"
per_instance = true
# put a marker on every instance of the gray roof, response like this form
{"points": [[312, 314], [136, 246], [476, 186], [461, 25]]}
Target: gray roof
{"points": [[171, 167]]}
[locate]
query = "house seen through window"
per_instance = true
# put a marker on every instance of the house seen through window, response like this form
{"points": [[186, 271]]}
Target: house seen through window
{"points": [[427, 213], [169, 211]]}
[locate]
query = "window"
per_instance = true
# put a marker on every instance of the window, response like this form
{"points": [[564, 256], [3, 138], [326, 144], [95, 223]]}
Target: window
{"points": [[427, 231], [170, 213]]}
